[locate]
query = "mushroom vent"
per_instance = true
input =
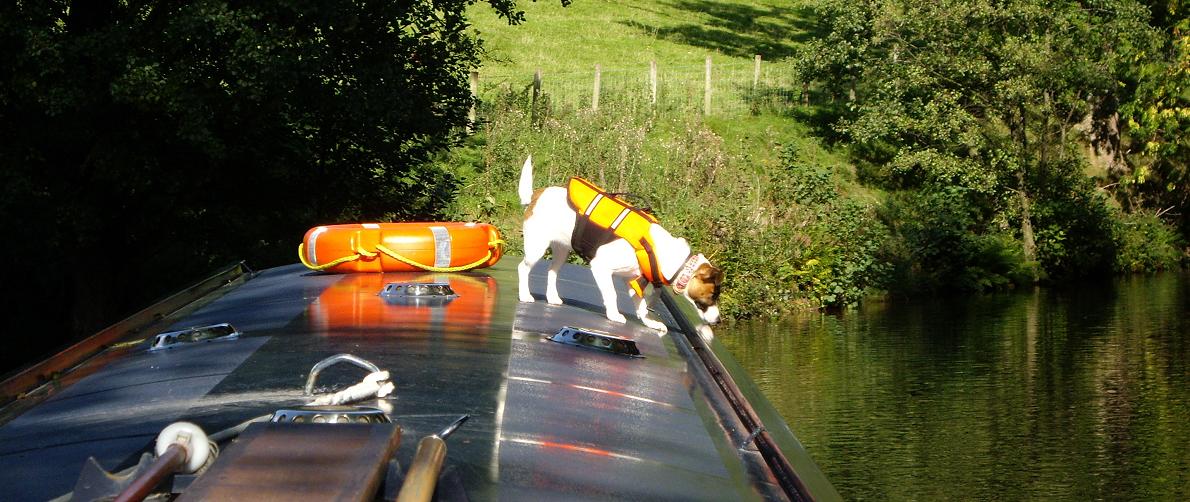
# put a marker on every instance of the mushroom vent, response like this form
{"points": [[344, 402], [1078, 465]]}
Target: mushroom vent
{"points": [[223, 331], [418, 293], [598, 340], [330, 415]]}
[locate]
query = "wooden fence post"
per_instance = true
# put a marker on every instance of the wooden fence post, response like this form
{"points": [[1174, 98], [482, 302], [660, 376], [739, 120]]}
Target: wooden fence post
{"points": [[474, 100], [595, 91], [653, 82], [756, 74], [706, 100], [536, 91]]}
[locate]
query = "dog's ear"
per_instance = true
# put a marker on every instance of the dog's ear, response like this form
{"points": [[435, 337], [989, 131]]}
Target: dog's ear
{"points": [[709, 273]]}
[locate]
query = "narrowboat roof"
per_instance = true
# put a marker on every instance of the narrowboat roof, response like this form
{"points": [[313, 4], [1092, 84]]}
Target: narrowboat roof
{"points": [[549, 419]]}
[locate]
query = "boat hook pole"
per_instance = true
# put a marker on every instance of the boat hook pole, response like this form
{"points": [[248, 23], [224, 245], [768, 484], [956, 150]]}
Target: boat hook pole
{"points": [[180, 447], [144, 484], [427, 464]]}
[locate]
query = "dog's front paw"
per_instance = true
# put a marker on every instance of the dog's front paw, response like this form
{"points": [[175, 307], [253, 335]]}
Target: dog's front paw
{"points": [[657, 325], [554, 300], [526, 297], [617, 317]]}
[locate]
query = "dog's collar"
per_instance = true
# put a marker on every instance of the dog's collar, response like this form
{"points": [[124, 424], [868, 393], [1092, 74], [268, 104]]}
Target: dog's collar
{"points": [[682, 278]]}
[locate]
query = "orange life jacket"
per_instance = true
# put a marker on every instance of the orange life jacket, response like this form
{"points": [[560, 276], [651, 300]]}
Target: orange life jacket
{"points": [[602, 218]]}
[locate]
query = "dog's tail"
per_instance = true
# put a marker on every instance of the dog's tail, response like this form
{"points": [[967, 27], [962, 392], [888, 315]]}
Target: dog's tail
{"points": [[525, 188]]}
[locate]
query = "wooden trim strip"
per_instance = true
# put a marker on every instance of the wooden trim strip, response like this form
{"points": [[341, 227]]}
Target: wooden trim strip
{"points": [[39, 373]]}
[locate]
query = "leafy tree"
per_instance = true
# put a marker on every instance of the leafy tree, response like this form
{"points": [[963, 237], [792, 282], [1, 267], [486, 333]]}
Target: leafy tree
{"points": [[979, 99], [1158, 118], [147, 142]]}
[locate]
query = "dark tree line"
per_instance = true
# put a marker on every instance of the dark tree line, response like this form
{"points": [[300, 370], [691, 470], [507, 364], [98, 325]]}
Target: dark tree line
{"points": [[147, 143]]}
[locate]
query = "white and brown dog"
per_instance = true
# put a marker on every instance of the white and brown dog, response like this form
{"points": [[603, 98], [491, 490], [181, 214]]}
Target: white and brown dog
{"points": [[598, 226]]}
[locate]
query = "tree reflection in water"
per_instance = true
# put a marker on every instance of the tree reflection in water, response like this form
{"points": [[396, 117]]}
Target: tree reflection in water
{"points": [[1080, 393]]}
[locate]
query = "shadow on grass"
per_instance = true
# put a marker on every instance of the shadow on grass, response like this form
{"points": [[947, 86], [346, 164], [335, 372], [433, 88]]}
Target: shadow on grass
{"points": [[738, 30]]}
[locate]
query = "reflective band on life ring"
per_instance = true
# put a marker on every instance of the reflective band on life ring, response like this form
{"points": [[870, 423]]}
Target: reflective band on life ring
{"points": [[442, 247], [397, 247], [312, 239]]}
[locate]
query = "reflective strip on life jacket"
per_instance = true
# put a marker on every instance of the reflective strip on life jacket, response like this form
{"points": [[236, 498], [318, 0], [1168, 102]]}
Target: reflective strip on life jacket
{"points": [[605, 211], [638, 285]]}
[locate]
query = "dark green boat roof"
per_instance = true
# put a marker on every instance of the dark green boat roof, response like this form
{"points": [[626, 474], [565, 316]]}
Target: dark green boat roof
{"points": [[548, 420]]}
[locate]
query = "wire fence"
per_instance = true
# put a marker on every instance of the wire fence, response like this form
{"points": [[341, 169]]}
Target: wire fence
{"points": [[730, 89]]}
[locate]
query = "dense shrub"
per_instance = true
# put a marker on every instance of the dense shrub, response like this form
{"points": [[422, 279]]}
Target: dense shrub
{"points": [[1073, 223], [1145, 243], [941, 240], [832, 240]]}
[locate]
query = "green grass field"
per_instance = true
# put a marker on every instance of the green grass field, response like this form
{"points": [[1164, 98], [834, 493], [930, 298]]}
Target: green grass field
{"points": [[565, 43], [630, 33]]}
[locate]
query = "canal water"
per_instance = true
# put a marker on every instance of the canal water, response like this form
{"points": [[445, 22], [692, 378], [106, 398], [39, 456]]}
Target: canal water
{"points": [[1053, 394]]}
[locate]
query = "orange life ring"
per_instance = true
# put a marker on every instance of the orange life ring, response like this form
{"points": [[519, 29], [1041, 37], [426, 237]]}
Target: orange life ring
{"points": [[400, 247]]}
